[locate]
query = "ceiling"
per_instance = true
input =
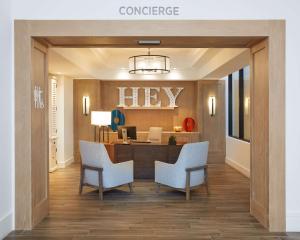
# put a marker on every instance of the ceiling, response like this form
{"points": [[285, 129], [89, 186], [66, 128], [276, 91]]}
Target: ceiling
{"points": [[112, 63]]}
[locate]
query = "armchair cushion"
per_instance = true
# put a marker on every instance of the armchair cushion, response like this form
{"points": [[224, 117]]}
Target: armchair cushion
{"points": [[166, 174], [118, 174]]}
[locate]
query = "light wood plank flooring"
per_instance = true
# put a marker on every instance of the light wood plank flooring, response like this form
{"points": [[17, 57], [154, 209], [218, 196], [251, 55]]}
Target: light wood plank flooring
{"points": [[145, 215]]}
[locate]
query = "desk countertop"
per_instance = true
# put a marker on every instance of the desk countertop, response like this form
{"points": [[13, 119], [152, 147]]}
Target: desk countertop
{"points": [[164, 132], [145, 144]]}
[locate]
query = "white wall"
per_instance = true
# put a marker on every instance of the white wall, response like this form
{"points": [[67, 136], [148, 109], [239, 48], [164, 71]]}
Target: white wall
{"points": [[237, 151], [60, 120], [189, 9], [68, 120], [6, 121], [238, 155], [64, 121]]}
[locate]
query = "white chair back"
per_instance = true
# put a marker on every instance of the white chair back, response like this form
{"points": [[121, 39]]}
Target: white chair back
{"points": [[155, 134], [94, 154], [193, 155]]}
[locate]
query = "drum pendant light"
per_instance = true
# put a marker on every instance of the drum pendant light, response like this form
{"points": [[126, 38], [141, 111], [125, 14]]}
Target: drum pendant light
{"points": [[149, 64]]}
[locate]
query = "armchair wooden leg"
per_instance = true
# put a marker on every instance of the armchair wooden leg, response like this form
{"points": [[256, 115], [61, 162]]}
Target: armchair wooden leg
{"points": [[81, 179], [80, 188], [100, 193], [188, 179], [187, 186], [206, 181], [188, 194], [130, 187], [157, 187], [207, 190], [100, 185]]}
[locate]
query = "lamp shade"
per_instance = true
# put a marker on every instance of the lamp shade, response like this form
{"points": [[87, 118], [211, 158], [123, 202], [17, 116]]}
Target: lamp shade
{"points": [[101, 118]]}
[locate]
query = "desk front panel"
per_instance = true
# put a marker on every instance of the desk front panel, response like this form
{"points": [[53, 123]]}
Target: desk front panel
{"points": [[144, 156]]}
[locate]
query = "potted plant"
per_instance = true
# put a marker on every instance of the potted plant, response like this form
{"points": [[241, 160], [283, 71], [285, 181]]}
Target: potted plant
{"points": [[172, 140]]}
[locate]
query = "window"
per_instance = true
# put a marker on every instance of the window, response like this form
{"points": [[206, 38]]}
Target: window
{"points": [[239, 104]]}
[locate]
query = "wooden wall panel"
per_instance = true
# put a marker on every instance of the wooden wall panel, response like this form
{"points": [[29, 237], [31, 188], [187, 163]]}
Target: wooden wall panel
{"points": [[23, 98], [144, 119], [39, 135], [199, 106], [213, 127], [259, 195], [83, 130]]}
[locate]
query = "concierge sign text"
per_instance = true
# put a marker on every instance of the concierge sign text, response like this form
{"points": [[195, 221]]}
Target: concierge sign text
{"points": [[149, 10]]}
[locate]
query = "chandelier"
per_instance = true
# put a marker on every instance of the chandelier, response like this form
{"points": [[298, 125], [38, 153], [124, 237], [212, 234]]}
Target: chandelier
{"points": [[149, 64]]}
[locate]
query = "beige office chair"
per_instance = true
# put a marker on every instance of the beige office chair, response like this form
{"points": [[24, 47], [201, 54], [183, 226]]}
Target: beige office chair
{"points": [[154, 135]]}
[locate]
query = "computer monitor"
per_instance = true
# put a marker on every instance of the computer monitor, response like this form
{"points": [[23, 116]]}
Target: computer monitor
{"points": [[131, 132]]}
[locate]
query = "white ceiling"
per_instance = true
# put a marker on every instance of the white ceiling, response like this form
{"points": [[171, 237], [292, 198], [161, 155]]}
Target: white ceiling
{"points": [[112, 63]]}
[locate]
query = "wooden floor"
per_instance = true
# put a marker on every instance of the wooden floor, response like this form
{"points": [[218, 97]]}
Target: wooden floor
{"points": [[145, 215]]}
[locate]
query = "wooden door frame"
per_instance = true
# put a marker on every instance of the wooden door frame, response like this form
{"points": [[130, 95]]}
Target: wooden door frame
{"points": [[273, 30]]}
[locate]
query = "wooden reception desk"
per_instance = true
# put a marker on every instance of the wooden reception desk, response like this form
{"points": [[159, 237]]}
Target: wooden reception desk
{"points": [[143, 155], [187, 137]]}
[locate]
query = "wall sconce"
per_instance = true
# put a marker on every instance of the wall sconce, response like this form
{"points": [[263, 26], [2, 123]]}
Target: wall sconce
{"points": [[85, 105], [247, 105], [212, 106]]}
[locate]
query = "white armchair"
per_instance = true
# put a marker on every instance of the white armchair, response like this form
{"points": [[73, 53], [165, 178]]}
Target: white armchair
{"points": [[98, 171], [154, 135], [188, 172]]}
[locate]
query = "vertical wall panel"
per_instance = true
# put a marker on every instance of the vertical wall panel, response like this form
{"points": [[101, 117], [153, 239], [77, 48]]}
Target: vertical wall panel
{"points": [[39, 134], [259, 199], [83, 130], [213, 127]]}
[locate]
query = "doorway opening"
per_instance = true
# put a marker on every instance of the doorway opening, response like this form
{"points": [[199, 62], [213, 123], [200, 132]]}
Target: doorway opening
{"points": [[265, 175]]}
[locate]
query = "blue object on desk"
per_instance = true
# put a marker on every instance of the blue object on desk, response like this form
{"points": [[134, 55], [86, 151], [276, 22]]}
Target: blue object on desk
{"points": [[117, 119]]}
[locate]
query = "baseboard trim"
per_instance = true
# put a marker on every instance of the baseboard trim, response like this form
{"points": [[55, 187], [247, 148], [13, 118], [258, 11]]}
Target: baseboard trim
{"points": [[6, 225], [66, 163], [238, 167], [293, 222], [53, 168]]}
